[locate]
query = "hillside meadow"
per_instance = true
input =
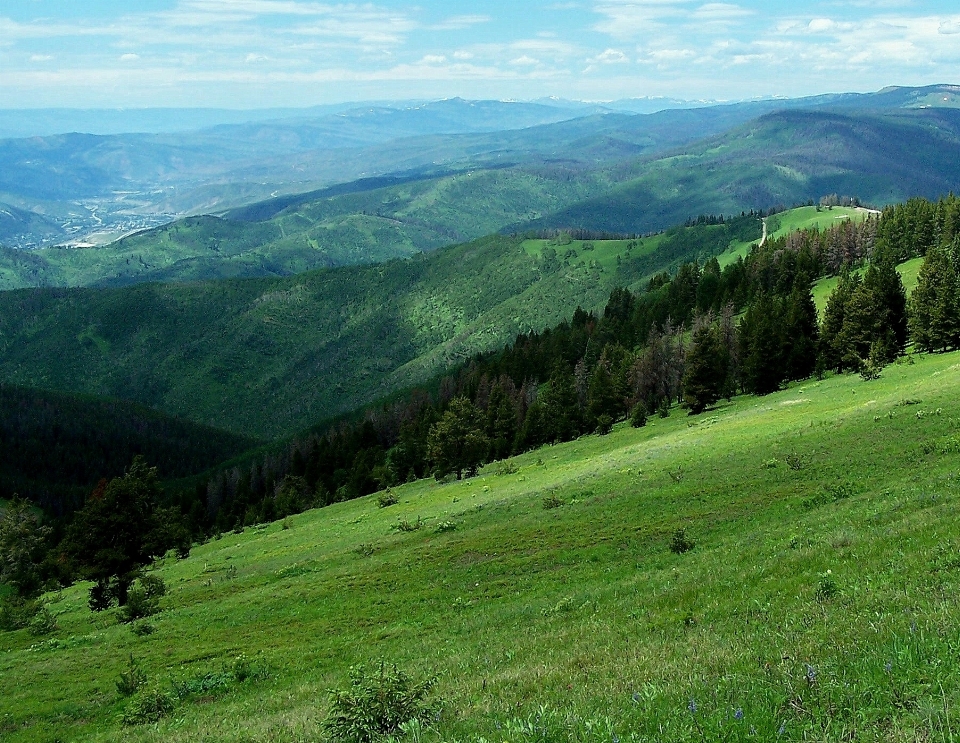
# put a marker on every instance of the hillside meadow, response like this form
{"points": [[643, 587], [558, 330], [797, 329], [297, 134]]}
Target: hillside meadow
{"points": [[818, 601]]}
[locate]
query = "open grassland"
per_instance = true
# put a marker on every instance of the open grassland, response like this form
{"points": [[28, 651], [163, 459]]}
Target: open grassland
{"points": [[819, 601]]}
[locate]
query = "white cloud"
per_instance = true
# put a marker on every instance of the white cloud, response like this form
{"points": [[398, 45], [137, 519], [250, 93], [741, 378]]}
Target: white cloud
{"points": [[254, 58], [949, 28], [609, 56], [129, 57], [432, 59], [460, 22], [524, 61], [40, 57], [720, 11]]}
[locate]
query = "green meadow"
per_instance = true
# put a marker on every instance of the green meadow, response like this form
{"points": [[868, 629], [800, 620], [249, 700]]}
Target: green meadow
{"points": [[819, 601]]}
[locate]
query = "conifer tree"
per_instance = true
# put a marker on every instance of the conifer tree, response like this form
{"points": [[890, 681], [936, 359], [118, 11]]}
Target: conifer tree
{"points": [[760, 347], [800, 333], [457, 442], [704, 379], [935, 303]]}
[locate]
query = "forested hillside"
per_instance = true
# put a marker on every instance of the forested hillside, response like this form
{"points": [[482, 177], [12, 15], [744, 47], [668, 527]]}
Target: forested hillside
{"points": [[272, 356]]}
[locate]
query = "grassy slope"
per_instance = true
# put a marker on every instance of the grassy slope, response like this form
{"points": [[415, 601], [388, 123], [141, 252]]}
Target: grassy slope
{"points": [[582, 608]]}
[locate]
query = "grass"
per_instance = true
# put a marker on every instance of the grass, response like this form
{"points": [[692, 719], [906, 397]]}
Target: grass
{"points": [[577, 622]]}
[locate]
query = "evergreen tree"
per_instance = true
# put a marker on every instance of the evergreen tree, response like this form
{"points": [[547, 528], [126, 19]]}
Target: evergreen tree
{"points": [[601, 396], [457, 442], [935, 303], [706, 368], [562, 420], [760, 347], [23, 541], [120, 529], [831, 339], [889, 307], [800, 333]]}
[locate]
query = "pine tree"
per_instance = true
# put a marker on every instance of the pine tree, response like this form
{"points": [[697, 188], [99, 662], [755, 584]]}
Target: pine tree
{"points": [[831, 338], [760, 347], [935, 303], [706, 367], [889, 307], [457, 442], [800, 333]]}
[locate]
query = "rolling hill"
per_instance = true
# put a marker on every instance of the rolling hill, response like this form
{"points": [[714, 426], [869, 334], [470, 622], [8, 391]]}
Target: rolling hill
{"points": [[783, 158]]}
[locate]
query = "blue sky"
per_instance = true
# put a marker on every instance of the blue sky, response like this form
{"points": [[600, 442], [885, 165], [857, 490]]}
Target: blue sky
{"points": [[265, 53]]}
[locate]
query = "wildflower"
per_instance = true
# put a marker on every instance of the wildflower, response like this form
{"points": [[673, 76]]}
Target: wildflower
{"points": [[636, 697], [783, 728], [811, 674], [738, 715], [692, 707], [616, 738], [888, 667]]}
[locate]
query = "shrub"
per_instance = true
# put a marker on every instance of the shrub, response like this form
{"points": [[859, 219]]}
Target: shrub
{"points": [[552, 501], [153, 585], [16, 613], [638, 418], [142, 629], [148, 706], [604, 425], [377, 703], [42, 623], [131, 679], [140, 604], [444, 526], [827, 587], [680, 542], [664, 408], [405, 525], [387, 498]]}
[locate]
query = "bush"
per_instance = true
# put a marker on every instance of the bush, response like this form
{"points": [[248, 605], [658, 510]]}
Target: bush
{"points": [[153, 585], [140, 604], [638, 418], [604, 425], [680, 542], [377, 703], [131, 679], [664, 410], [387, 498], [552, 501], [405, 525], [16, 613], [42, 623], [827, 587], [142, 629], [148, 706]]}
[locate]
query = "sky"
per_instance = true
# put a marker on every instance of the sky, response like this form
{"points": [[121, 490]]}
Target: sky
{"points": [[273, 53]]}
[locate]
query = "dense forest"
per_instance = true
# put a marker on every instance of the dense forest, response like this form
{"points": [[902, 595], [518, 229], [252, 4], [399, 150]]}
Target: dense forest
{"points": [[690, 338]]}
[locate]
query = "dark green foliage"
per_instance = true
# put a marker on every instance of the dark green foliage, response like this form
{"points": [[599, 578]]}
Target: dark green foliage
{"points": [[42, 623], [457, 442], [387, 498], [761, 348], [120, 529], [148, 706], [143, 598], [23, 545], [800, 333], [680, 543], [604, 425], [16, 612], [638, 418], [377, 702], [935, 303], [131, 679], [706, 366], [55, 447]]}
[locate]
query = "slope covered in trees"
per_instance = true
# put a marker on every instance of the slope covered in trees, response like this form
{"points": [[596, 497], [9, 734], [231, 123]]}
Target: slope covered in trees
{"points": [[273, 356], [55, 447]]}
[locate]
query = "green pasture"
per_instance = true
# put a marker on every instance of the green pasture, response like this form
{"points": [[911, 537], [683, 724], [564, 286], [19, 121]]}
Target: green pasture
{"points": [[819, 601]]}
